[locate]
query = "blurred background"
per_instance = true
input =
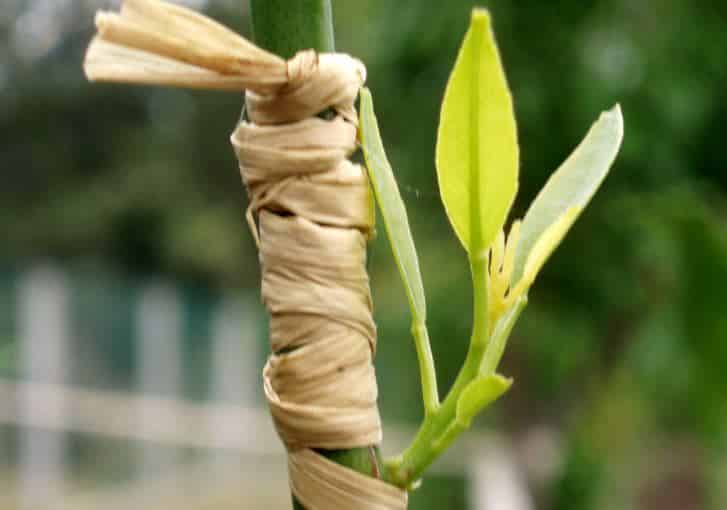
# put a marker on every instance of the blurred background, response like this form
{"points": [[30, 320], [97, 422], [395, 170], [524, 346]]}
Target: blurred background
{"points": [[131, 332]]}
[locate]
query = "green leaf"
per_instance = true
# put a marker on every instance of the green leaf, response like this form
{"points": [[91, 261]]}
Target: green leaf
{"points": [[392, 208], [478, 394], [477, 151], [565, 194]]}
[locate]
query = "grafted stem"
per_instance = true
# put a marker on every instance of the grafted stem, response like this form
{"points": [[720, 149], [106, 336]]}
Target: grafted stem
{"points": [[284, 27]]}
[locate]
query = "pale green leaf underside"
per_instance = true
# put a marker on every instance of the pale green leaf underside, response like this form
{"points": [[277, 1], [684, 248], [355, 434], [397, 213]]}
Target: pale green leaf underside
{"points": [[396, 221], [477, 151], [572, 185]]}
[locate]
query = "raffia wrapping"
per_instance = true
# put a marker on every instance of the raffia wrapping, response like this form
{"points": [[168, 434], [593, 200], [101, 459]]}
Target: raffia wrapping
{"points": [[314, 214]]}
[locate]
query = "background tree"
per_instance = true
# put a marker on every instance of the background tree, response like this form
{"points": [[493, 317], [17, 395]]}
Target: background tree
{"points": [[112, 177]]}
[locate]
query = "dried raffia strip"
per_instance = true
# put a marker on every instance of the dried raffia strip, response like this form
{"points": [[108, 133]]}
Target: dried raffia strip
{"points": [[188, 50], [317, 482], [314, 217]]}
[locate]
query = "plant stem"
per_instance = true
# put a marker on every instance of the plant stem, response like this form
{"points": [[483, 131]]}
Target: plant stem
{"points": [[406, 469], [427, 372], [284, 27], [287, 26], [500, 335], [441, 428]]}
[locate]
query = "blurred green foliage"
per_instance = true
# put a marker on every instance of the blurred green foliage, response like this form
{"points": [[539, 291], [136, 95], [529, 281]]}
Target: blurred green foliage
{"points": [[622, 351]]}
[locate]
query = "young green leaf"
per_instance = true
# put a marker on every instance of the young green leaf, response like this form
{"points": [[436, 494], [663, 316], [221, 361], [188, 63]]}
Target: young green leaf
{"points": [[477, 151], [566, 193], [396, 221], [547, 242], [478, 394]]}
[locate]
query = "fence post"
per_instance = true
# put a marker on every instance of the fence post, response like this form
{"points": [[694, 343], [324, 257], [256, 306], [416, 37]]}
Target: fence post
{"points": [[159, 364], [496, 482], [235, 368], [43, 332], [235, 352]]}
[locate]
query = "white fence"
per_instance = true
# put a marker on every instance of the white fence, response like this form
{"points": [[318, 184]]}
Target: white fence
{"points": [[242, 464]]}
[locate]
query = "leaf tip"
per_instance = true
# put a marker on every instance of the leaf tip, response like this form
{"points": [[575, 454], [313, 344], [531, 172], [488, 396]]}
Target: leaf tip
{"points": [[615, 116], [619, 115], [504, 382], [364, 106], [480, 16]]}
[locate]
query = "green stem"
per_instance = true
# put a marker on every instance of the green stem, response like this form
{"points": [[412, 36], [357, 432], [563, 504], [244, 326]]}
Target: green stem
{"points": [[284, 27], [427, 372], [503, 328], [441, 428], [287, 26], [429, 441]]}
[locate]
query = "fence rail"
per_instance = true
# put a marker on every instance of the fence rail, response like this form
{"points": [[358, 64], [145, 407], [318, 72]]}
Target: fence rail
{"points": [[55, 341]]}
